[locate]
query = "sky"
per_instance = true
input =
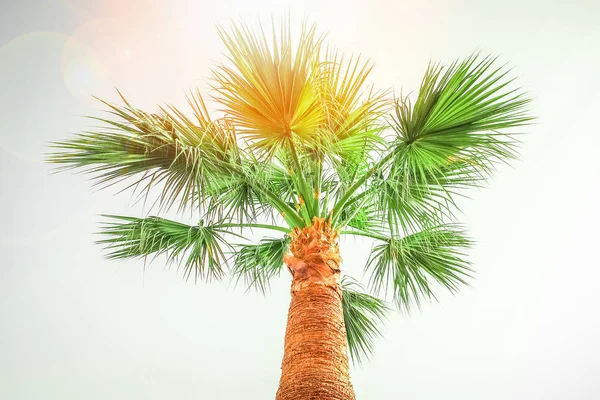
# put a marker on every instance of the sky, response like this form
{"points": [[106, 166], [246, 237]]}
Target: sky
{"points": [[74, 325]]}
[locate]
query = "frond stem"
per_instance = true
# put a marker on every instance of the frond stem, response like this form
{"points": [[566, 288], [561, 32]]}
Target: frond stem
{"points": [[261, 226], [342, 202], [303, 188], [291, 217], [366, 234]]}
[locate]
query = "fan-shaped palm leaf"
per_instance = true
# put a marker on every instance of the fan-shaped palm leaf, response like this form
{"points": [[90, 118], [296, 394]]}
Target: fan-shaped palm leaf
{"points": [[270, 91], [258, 263], [163, 148], [363, 316], [200, 249], [407, 266]]}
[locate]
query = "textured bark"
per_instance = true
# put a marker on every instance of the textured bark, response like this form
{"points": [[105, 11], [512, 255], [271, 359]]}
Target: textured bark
{"points": [[315, 361]]}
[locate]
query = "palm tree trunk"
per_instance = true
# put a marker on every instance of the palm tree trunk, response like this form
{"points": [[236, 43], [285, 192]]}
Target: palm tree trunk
{"points": [[315, 360]]}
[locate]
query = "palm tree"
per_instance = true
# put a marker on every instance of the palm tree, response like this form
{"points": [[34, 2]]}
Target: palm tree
{"points": [[306, 149]]}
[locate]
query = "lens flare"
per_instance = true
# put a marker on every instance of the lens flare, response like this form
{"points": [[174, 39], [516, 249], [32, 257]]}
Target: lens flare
{"points": [[82, 72]]}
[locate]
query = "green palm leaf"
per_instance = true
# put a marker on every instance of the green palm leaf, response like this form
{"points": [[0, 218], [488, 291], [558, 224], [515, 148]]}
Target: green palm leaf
{"points": [[196, 163], [256, 264], [471, 96], [408, 266], [448, 139], [166, 148], [199, 249], [412, 200], [363, 317]]}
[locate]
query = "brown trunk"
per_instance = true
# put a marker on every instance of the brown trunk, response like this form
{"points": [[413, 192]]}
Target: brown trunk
{"points": [[315, 360]]}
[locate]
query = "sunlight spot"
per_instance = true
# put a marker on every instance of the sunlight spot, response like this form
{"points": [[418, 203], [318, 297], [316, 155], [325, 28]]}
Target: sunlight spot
{"points": [[81, 71]]}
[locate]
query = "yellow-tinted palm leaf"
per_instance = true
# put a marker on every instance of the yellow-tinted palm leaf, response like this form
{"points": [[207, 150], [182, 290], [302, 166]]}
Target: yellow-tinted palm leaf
{"points": [[350, 106], [270, 92], [352, 109]]}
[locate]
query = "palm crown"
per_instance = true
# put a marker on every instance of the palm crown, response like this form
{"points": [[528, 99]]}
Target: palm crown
{"points": [[303, 137]]}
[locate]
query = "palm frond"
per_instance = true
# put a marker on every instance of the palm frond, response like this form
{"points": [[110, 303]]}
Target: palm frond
{"points": [[470, 96], [199, 250], [364, 214], [239, 197], [270, 92], [449, 139], [458, 114], [166, 149], [413, 199], [408, 266], [256, 264], [351, 125], [279, 181], [351, 131], [363, 317]]}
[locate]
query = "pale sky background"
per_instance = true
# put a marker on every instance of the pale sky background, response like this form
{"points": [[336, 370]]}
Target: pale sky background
{"points": [[75, 326]]}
